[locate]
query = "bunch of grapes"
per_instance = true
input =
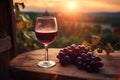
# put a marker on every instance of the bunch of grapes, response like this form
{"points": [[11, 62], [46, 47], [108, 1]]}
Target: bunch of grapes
{"points": [[80, 56]]}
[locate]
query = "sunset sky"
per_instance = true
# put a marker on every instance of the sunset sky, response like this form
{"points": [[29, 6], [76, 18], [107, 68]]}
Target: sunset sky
{"points": [[72, 5]]}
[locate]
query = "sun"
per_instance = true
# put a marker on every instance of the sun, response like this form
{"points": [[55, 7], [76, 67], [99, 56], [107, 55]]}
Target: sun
{"points": [[71, 5], [71, 8]]}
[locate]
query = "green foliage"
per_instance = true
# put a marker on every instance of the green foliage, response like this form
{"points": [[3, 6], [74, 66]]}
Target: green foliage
{"points": [[25, 37]]}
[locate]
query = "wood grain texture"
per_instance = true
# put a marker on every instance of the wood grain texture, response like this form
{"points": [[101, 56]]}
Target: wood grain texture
{"points": [[26, 66], [7, 37], [5, 44]]}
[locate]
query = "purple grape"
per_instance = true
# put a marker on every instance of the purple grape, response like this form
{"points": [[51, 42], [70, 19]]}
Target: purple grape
{"points": [[65, 50], [78, 59], [88, 61], [100, 64], [83, 56], [58, 56], [93, 57], [88, 68], [97, 59], [61, 50], [67, 59], [80, 56], [63, 62], [76, 50], [89, 55], [83, 49], [80, 64], [92, 63], [73, 46], [61, 55], [70, 53]]}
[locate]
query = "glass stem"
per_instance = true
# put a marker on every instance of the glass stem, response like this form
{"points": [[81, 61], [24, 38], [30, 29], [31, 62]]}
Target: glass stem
{"points": [[46, 52]]}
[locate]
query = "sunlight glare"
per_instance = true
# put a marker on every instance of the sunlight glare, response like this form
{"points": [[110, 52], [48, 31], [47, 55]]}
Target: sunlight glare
{"points": [[71, 5]]}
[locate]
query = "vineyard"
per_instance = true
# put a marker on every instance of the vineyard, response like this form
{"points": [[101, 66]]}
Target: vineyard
{"points": [[77, 29]]}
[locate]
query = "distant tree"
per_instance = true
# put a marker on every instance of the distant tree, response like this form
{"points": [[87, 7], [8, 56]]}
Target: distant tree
{"points": [[46, 13], [114, 25], [106, 31], [97, 29]]}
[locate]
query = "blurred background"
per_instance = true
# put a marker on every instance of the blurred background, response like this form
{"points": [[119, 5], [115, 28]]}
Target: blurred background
{"points": [[79, 22]]}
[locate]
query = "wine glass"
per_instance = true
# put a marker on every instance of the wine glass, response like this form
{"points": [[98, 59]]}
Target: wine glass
{"points": [[46, 32]]}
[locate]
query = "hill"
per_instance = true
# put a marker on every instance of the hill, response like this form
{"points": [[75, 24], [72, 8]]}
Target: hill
{"points": [[112, 18]]}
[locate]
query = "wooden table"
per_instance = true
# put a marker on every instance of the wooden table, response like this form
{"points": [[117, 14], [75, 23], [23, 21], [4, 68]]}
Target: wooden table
{"points": [[24, 67]]}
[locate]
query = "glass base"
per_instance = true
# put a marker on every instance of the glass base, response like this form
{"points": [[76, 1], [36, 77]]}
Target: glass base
{"points": [[46, 64]]}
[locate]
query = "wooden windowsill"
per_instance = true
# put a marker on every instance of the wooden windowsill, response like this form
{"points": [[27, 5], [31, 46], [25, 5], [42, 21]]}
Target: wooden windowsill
{"points": [[25, 65]]}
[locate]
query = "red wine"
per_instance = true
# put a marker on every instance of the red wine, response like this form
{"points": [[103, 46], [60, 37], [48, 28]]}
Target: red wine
{"points": [[46, 37]]}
